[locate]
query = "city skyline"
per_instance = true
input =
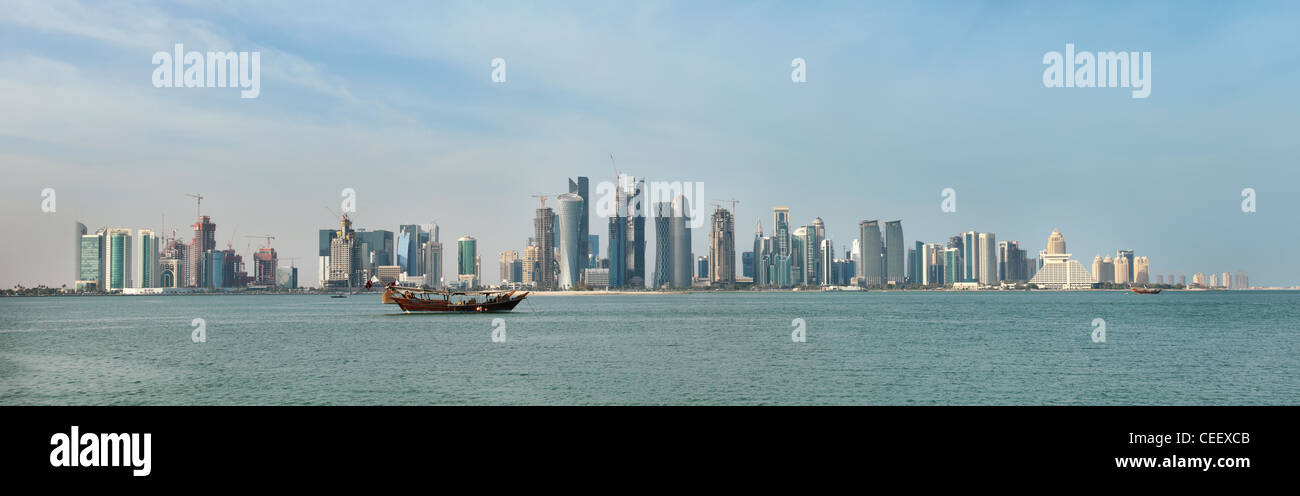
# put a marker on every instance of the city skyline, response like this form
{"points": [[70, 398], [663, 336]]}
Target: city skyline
{"points": [[709, 99]]}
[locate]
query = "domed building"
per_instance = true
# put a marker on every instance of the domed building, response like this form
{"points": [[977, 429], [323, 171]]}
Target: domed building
{"points": [[1058, 270]]}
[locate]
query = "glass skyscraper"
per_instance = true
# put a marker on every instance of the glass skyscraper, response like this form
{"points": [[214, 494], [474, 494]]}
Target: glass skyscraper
{"points": [[872, 256], [894, 253]]}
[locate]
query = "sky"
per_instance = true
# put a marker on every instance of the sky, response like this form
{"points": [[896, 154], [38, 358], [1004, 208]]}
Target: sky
{"points": [[901, 100]]}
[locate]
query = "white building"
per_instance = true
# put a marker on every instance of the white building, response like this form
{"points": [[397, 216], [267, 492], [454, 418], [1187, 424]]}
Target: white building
{"points": [[1058, 270]]}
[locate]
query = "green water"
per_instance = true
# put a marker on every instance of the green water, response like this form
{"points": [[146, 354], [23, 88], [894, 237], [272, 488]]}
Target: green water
{"points": [[1017, 348]]}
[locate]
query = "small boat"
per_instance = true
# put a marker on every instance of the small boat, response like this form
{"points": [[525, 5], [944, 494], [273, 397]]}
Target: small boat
{"points": [[338, 296], [1146, 290], [437, 300]]}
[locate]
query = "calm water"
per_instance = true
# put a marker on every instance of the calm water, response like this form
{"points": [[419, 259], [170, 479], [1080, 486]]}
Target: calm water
{"points": [[873, 348]]}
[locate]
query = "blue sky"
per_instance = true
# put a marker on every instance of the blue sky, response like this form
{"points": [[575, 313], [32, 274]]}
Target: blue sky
{"points": [[903, 99]]}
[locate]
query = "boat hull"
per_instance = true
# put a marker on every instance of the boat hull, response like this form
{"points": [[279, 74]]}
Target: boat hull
{"points": [[442, 306]]}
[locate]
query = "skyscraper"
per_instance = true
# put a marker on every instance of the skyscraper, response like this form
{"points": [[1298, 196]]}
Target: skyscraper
{"points": [[80, 230], [828, 276], [680, 235], [618, 270], [761, 256], [573, 242], [90, 270], [580, 188], [914, 263], [433, 259], [722, 248], [971, 257], [799, 256], [467, 261], [409, 244], [326, 240], [1122, 269], [1059, 271], [146, 259], [894, 253], [544, 234], [1128, 255], [747, 264], [205, 239], [509, 266], [1142, 270], [872, 256], [117, 259], [781, 230], [265, 267], [663, 245], [345, 257], [636, 233], [988, 253]]}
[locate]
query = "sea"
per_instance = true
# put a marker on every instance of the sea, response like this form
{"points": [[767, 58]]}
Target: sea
{"points": [[704, 348]]}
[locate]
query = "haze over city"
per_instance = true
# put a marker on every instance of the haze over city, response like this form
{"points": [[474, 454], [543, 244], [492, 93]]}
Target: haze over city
{"points": [[900, 103]]}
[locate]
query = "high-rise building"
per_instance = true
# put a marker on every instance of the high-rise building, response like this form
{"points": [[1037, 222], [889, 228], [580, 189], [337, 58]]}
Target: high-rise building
{"points": [[323, 259], [1129, 265], [799, 256], [871, 254], [410, 240], [508, 261], [722, 248], [747, 264], [914, 266], [286, 277], [762, 256], [205, 239], [1142, 270], [171, 266], [117, 259], [467, 261], [894, 253], [1059, 271], [702, 268], [618, 269], [345, 263], [532, 264], [215, 266], [828, 275], [988, 253], [663, 244], [636, 233], [544, 234], [80, 230], [1103, 269], [1011, 262], [1122, 269], [931, 264], [781, 230], [580, 187], [952, 268], [266, 270], [433, 259], [572, 242], [593, 250], [680, 234], [90, 269], [971, 256], [146, 259]]}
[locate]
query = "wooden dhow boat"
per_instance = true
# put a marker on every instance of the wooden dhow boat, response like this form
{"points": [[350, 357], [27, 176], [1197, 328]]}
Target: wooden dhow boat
{"points": [[439, 300]]}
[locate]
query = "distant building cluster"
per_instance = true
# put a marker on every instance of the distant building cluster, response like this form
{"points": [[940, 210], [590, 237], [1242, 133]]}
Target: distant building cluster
{"points": [[122, 260]]}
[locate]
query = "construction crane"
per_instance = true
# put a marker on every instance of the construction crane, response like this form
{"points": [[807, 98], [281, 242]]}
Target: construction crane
{"points": [[543, 198], [618, 186], [230, 245], [732, 201], [267, 236], [198, 204]]}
